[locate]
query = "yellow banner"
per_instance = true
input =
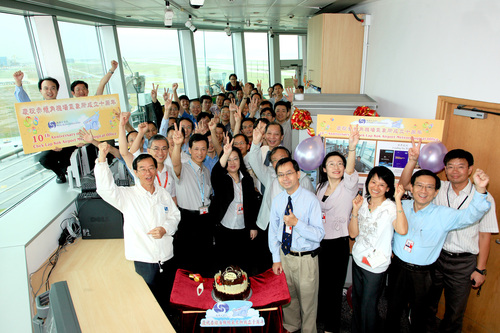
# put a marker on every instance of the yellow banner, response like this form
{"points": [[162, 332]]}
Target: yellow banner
{"points": [[381, 128], [45, 125]]}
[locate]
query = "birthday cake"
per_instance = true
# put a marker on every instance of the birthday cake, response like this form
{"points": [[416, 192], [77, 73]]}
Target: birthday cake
{"points": [[231, 284]]}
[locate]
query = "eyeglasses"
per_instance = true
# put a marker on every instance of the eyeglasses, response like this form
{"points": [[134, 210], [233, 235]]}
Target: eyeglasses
{"points": [[159, 149], [233, 159], [420, 186], [144, 170], [242, 143], [288, 174]]}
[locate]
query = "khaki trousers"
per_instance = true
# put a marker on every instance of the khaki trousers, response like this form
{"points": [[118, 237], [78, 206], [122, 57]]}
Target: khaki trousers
{"points": [[302, 277]]}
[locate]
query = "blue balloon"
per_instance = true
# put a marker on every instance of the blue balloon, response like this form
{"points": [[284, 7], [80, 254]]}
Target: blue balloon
{"points": [[309, 153]]}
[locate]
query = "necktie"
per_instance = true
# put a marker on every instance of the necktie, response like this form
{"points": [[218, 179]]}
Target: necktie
{"points": [[267, 161], [286, 243]]}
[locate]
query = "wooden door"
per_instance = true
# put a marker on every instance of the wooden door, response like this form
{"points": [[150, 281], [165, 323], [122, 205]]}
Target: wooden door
{"points": [[482, 138]]}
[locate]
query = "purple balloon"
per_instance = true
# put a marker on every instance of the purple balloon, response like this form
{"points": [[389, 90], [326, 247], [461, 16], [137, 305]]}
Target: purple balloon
{"points": [[310, 153], [431, 156]]}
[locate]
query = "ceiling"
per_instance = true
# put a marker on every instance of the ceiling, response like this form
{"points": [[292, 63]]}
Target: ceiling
{"points": [[288, 16]]}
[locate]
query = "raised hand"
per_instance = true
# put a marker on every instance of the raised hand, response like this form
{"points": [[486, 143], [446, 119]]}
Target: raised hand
{"points": [[86, 135], [356, 204], [103, 151], [124, 117], [258, 132], [228, 147], [289, 94], [178, 137], [175, 86], [114, 65], [233, 107], [295, 81], [237, 116], [18, 78], [166, 96], [254, 106], [400, 191], [414, 151], [142, 128], [212, 125], [259, 84], [353, 137], [154, 93], [481, 180]]}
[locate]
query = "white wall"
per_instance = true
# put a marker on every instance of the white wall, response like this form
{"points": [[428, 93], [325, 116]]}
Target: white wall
{"points": [[421, 49]]}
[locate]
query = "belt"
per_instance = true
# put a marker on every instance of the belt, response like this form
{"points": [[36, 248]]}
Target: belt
{"points": [[313, 253], [456, 255], [412, 267]]}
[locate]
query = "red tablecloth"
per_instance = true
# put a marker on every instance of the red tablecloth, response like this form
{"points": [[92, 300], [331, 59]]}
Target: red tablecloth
{"points": [[268, 290]]}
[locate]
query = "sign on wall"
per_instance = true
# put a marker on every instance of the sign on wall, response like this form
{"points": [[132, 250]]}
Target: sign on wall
{"points": [[45, 125]]}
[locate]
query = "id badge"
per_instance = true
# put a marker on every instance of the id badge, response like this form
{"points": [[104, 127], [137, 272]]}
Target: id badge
{"points": [[408, 246], [239, 209], [288, 229], [203, 210], [323, 217], [376, 258]]}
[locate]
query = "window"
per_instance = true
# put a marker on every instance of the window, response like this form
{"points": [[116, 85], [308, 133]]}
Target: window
{"points": [[154, 55], [256, 53], [19, 174], [289, 47], [81, 50], [214, 56]]}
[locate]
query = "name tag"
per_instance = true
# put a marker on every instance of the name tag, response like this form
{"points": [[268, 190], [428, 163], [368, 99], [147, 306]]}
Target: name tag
{"points": [[408, 246], [203, 210], [323, 217], [166, 209], [239, 209], [288, 229], [375, 259]]}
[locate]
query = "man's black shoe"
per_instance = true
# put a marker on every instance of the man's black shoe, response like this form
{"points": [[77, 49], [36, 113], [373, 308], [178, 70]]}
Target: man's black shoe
{"points": [[61, 178]]}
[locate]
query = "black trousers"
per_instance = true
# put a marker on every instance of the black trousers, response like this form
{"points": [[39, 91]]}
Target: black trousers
{"points": [[333, 261], [408, 286], [453, 275], [56, 161], [367, 287], [194, 242]]}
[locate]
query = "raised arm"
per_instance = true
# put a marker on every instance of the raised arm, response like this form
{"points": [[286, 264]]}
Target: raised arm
{"points": [[237, 123], [413, 154], [233, 108], [354, 223], [400, 224], [19, 93], [141, 131], [122, 140], [481, 180], [88, 137], [178, 139], [105, 79], [228, 148], [351, 157], [212, 125], [168, 102], [154, 93]]}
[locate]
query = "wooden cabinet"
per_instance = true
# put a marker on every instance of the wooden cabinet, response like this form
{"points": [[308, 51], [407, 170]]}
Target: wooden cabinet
{"points": [[334, 53]]}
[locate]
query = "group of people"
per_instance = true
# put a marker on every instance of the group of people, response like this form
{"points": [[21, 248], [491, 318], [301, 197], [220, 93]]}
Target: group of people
{"points": [[216, 185]]}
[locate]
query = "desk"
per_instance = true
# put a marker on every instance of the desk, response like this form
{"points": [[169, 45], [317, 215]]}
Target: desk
{"points": [[108, 295], [269, 292]]}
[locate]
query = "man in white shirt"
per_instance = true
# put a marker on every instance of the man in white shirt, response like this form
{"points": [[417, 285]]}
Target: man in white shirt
{"points": [[150, 221]]}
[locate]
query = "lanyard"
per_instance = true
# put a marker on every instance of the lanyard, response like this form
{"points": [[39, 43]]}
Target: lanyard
{"points": [[448, 198], [159, 182], [201, 186]]}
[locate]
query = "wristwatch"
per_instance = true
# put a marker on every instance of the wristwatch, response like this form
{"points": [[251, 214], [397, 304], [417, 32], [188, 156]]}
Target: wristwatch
{"points": [[482, 272]]}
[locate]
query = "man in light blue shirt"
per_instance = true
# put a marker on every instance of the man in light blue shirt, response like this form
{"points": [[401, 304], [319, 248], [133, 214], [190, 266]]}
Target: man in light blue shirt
{"points": [[295, 232], [415, 252]]}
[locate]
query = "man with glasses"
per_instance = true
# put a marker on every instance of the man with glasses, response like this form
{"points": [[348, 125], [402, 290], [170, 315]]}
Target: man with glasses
{"points": [[416, 252], [150, 220], [462, 261], [295, 232]]}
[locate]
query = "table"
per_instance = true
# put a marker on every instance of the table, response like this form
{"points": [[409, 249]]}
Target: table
{"points": [[107, 293], [269, 293]]}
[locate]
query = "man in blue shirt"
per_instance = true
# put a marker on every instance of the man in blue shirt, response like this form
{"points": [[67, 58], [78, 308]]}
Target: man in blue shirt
{"points": [[415, 252], [295, 232]]}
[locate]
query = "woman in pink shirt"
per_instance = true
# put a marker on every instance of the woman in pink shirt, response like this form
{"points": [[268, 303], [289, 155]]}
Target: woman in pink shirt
{"points": [[338, 186]]}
